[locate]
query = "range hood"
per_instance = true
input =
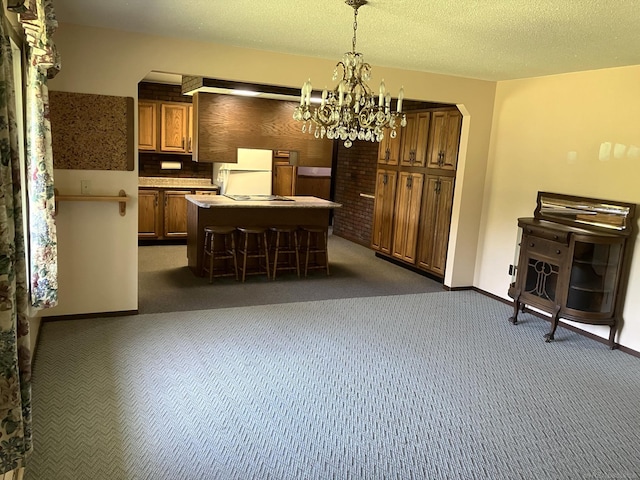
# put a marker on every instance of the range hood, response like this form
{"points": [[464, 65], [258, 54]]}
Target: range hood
{"points": [[191, 85]]}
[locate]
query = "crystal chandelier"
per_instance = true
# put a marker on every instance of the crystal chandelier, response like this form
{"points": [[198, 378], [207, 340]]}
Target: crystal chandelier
{"points": [[351, 110]]}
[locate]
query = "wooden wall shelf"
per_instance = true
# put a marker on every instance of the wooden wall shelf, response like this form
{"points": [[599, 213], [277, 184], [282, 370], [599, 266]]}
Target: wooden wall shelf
{"points": [[121, 198]]}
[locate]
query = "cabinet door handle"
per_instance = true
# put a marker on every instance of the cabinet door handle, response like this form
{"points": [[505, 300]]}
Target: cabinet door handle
{"points": [[189, 143], [385, 179], [156, 200], [166, 200], [182, 144], [387, 154]]}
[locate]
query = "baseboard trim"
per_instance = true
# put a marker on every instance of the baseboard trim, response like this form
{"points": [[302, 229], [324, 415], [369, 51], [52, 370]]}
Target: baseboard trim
{"points": [[84, 316], [457, 289], [590, 335], [411, 268]]}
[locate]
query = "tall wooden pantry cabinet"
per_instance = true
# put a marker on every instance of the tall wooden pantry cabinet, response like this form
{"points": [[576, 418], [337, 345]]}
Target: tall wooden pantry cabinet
{"points": [[414, 190]]}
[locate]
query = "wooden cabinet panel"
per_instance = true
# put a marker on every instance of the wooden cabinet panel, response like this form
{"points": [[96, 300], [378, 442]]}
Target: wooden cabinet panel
{"points": [[444, 139], [414, 140], [147, 126], [149, 219], [162, 213], [407, 212], [314, 186], [435, 223], [175, 213], [383, 210], [190, 129], [174, 127], [389, 150], [284, 179]]}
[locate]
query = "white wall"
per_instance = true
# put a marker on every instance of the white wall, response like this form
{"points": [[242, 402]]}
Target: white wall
{"points": [[98, 248], [547, 134]]}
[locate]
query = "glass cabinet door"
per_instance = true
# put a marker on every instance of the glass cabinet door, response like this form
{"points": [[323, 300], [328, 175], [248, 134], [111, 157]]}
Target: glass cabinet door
{"points": [[594, 274], [542, 279]]}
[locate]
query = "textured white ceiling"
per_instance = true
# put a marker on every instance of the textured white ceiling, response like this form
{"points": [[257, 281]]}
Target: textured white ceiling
{"points": [[485, 39]]}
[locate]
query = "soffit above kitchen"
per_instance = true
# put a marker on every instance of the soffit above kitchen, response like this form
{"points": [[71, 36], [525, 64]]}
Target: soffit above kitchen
{"points": [[490, 40]]}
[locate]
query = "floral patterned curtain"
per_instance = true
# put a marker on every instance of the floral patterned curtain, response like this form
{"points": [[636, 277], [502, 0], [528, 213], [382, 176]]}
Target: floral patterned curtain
{"points": [[15, 356], [38, 20]]}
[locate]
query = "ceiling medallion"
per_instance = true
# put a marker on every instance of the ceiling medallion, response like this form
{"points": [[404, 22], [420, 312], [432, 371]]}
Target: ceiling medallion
{"points": [[351, 110]]}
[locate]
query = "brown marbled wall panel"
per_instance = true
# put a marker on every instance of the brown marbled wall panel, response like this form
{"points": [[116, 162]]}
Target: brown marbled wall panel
{"points": [[91, 132]]}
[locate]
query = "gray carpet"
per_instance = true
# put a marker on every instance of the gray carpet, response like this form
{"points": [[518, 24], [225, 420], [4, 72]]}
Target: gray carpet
{"points": [[421, 386], [166, 284]]}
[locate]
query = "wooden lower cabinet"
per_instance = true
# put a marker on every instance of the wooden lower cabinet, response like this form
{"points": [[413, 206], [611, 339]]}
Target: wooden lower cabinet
{"points": [[435, 222], [175, 213], [162, 213], [149, 220], [406, 213], [383, 211]]}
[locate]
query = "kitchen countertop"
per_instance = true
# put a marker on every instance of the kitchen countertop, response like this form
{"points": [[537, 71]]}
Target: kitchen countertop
{"points": [[220, 201], [169, 182]]}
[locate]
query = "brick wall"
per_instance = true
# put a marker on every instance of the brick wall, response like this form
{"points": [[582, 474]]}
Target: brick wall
{"points": [[149, 163], [355, 174], [162, 92]]}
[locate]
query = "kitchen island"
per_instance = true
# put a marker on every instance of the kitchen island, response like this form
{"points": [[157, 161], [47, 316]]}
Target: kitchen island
{"points": [[249, 210]]}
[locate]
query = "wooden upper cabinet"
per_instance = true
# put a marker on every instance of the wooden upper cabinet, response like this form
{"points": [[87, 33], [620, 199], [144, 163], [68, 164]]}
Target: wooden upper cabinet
{"points": [[174, 120], [407, 215], [383, 210], [414, 140], [444, 138], [389, 150], [147, 126], [435, 223], [190, 130]]}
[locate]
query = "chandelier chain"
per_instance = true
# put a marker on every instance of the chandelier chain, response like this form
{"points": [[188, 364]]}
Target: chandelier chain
{"points": [[355, 27]]}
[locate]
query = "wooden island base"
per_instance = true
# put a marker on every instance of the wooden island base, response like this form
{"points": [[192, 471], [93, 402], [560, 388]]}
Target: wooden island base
{"points": [[203, 210]]}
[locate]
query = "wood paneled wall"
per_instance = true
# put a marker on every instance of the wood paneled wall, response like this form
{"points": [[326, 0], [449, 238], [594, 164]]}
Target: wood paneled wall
{"points": [[224, 123]]}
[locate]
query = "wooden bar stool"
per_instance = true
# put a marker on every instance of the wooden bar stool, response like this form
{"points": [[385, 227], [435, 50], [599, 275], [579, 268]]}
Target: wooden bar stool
{"points": [[223, 249], [254, 245], [313, 242], [285, 244]]}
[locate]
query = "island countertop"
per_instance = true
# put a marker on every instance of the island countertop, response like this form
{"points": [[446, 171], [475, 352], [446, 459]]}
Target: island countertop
{"points": [[206, 210], [221, 201]]}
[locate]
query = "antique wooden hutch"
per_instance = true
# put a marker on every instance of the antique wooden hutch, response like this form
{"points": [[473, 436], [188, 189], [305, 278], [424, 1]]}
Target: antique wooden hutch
{"points": [[573, 255]]}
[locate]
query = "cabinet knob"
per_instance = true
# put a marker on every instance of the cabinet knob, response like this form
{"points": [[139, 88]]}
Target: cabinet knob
{"points": [[558, 252], [532, 244]]}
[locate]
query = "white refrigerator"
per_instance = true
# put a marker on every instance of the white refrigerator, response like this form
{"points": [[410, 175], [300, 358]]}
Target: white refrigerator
{"points": [[252, 174]]}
